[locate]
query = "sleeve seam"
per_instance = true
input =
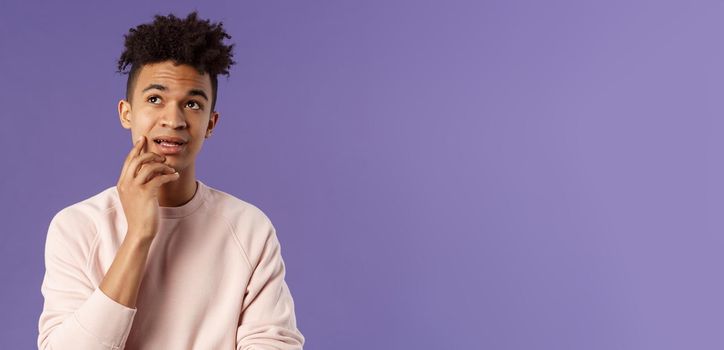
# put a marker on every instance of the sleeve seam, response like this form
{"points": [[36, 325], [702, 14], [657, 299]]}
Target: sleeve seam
{"points": [[232, 228], [94, 242], [84, 263], [80, 325]]}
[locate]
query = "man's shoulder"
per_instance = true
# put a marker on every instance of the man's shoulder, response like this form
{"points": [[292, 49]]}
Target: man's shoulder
{"points": [[236, 210], [89, 208], [250, 226], [76, 225]]}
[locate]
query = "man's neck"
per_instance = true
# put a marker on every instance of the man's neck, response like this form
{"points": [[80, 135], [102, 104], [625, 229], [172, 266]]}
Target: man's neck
{"points": [[179, 192]]}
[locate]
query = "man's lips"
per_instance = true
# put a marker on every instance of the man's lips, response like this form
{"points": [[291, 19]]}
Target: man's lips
{"points": [[169, 144], [169, 139]]}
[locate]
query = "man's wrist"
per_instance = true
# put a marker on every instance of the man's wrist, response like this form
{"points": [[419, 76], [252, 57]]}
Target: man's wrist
{"points": [[139, 240]]}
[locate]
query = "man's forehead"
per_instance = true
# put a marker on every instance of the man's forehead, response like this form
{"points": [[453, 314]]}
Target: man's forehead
{"points": [[173, 76]]}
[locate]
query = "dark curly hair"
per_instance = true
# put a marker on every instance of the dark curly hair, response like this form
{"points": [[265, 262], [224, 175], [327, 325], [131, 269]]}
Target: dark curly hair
{"points": [[190, 41]]}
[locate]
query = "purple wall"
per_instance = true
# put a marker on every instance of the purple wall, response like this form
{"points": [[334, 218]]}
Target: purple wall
{"points": [[442, 175]]}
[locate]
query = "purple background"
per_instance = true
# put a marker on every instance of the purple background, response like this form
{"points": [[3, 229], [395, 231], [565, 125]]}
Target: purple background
{"points": [[442, 175]]}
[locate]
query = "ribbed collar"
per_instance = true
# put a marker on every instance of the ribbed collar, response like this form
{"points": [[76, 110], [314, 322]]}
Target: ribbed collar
{"points": [[189, 207]]}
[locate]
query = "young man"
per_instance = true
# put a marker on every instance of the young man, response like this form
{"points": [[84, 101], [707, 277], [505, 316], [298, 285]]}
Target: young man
{"points": [[161, 260]]}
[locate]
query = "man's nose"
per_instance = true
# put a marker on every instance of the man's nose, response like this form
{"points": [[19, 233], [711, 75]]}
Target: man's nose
{"points": [[174, 118]]}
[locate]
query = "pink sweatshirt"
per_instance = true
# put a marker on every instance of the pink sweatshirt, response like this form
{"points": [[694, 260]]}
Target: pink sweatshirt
{"points": [[214, 279]]}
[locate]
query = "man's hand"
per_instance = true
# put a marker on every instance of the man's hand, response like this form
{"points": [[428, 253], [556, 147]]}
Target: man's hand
{"points": [[138, 186]]}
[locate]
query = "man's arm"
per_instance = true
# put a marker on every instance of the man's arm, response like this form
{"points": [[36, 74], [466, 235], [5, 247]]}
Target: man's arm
{"points": [[142, 175], [267, 319], [76, 314], [123, 279]]}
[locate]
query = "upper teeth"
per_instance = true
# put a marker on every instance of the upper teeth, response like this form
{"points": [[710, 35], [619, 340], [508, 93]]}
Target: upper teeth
{"points": [[166, 141]]}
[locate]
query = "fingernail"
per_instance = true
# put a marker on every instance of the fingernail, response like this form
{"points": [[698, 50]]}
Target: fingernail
{"points": [[139, 139]]}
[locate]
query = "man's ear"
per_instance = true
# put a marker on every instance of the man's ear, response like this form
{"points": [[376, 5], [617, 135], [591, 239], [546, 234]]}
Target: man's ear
{"points": [[213, 119], [124, 113]]}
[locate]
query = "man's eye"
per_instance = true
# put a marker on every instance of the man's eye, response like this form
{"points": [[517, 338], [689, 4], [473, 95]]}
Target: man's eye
{"points": [[193, 105], [153, 99]]}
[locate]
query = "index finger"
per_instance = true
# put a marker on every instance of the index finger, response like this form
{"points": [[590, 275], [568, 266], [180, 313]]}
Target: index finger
{"points": [[135, 151]]}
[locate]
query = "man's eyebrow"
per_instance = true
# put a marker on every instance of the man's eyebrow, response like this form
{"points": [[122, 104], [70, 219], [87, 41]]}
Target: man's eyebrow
{"points": [[192, 92], [155, 86], [198, 92]]}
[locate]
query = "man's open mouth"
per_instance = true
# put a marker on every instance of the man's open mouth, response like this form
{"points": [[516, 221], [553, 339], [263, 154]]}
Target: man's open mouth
{"points": [[169, 145], [170, 142]]}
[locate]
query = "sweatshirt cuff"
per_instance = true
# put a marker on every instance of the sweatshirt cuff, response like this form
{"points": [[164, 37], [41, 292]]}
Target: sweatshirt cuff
{"points": [[106, 319]]}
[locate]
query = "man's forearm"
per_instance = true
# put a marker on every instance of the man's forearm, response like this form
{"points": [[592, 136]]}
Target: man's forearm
{"points": [[123, 279]]}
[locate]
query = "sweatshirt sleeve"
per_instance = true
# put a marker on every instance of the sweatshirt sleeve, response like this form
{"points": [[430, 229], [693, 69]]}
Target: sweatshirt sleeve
{"points": [[76, 314], [267, 320]]}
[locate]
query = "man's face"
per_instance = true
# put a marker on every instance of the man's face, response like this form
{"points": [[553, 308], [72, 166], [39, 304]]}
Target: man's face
{"points": [[170, 101]]}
